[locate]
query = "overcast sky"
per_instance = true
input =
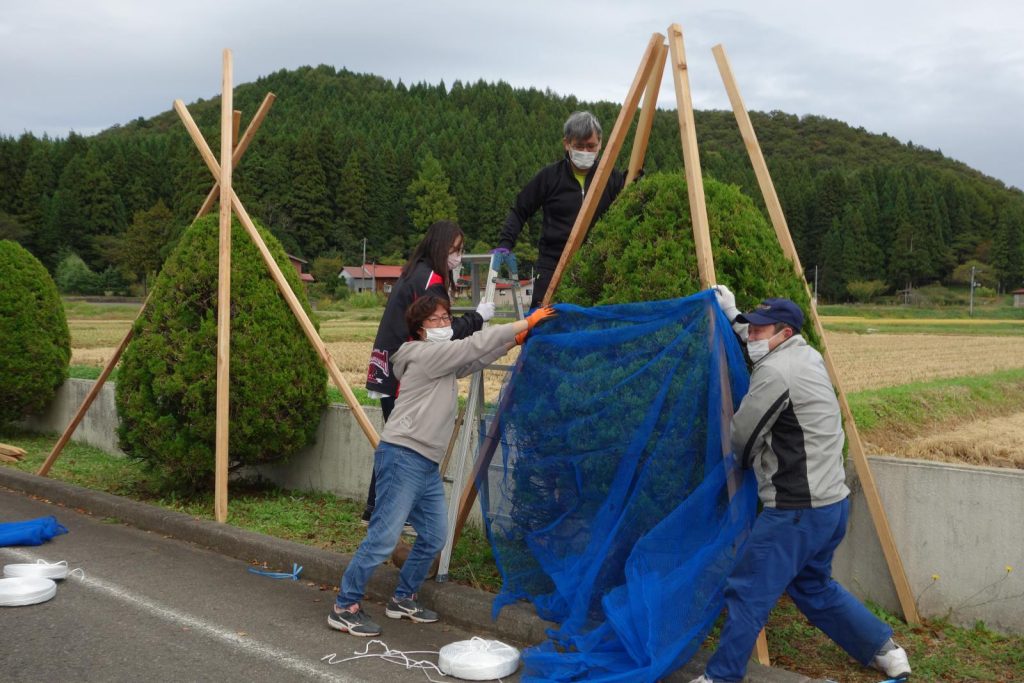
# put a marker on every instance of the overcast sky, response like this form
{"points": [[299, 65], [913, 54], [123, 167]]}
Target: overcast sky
{"points": [[946, 75]]}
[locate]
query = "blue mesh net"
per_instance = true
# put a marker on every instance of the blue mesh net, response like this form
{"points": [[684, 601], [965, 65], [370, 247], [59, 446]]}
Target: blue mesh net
{"points": [[613, 509]]}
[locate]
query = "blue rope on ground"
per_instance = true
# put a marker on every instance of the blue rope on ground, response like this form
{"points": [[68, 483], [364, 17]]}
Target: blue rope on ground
{"points": [[294, 575]]}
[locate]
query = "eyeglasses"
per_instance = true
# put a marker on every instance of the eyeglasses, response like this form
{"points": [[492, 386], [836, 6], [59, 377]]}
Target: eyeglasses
{"points": [[434, 319], [580, 146]]}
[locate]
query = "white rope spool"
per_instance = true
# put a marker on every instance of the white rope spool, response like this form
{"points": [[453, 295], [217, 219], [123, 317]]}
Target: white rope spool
{"points": [[478, 659], [40, 570], [25, 590]]}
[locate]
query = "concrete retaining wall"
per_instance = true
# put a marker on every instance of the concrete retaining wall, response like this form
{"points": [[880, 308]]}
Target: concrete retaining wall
{"points": [[960, 523]]}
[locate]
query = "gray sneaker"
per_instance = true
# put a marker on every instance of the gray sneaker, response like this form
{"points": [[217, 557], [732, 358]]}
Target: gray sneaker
{"points": [[408, 607], [353, 621]]}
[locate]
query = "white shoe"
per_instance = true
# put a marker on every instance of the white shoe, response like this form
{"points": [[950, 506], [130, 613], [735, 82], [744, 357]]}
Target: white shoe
{"points": [[893, 663], [702, 679]]}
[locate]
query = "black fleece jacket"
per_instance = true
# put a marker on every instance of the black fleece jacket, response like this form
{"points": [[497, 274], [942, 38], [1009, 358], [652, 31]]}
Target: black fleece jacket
{"points": [[556, 190], [392, 332]]}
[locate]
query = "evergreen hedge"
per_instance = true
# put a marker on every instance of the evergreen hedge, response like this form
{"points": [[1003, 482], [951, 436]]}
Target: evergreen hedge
{"points": [[642, 249], [36, 346], [166, 389]]}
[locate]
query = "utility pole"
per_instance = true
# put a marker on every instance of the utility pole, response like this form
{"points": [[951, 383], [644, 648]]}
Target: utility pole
{"points": [[970, 312], [362, 265]]}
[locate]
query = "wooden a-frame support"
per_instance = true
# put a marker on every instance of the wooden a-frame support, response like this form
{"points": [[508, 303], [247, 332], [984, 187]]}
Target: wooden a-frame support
{"points": [[655, 53], [230, 201], [856, 447], [242, 145]]}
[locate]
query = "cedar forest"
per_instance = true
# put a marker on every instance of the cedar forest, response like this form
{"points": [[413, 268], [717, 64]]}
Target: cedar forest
{"points": [[344, 157]]}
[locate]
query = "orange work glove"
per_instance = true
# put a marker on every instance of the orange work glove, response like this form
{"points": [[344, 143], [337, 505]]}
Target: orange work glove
{"points": [[533, 320]]}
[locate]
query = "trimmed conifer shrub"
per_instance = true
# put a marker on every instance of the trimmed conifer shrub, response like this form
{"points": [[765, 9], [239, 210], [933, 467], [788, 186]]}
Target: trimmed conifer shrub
{"points": [[166, 389], [642, 249], [36, 346]]}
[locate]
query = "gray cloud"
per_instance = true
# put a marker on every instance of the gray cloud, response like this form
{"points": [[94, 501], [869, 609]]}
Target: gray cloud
{"points": [[943, 74]]}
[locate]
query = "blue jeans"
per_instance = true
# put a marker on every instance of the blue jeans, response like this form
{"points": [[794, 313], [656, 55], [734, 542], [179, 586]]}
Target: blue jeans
{"points": [[408, 488], [791, 551]]}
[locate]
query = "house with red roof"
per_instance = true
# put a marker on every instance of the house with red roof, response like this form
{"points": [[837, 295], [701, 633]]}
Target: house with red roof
{"points": [[371, 277], [301, 267]]}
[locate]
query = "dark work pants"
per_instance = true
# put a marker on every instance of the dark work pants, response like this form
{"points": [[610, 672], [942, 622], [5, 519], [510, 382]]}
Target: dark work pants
{"points": [[387, 404], [791, 551], [540, 286]]}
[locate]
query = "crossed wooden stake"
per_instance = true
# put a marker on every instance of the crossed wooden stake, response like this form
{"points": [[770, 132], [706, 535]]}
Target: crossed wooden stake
{"points": [[222, 191]]}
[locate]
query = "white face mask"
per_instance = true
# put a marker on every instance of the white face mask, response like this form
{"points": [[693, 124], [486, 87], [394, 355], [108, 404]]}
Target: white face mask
{"points": [[438, 334], [455, 261], [759, 349], [582, 160]]}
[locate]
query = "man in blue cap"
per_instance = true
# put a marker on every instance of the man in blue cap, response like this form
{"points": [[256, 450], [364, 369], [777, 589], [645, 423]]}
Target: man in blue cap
{"points": [[789, 430]]}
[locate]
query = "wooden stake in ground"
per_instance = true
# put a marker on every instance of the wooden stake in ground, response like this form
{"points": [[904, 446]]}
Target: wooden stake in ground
{"points": [[646, 121], [702, 243], [606, 163], [220, 504], [860, 462]]}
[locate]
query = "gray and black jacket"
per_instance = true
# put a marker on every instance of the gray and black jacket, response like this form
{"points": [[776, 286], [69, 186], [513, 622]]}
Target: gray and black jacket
{"points": [[790, 431]]}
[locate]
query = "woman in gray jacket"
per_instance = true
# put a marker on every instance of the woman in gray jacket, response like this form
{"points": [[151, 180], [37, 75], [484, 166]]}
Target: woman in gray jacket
{"points": [[407, 460]]}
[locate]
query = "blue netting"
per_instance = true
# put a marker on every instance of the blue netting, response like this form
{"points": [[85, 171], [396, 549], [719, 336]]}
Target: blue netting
{"points": [[611, 510], [31, 531]]}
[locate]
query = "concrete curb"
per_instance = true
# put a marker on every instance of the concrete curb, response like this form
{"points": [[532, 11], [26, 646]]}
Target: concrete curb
{"points": [[463, 606]]}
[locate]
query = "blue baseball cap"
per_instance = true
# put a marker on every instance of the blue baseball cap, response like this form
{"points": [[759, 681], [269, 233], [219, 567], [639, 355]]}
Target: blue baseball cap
{"points": [[773, 311]]}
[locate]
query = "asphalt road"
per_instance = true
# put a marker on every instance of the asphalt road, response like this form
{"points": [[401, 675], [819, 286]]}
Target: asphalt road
{"points": [[157, 608]]}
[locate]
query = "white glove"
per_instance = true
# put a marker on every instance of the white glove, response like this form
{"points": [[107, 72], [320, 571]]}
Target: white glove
{"points": [[726, 301], [486, 310]]}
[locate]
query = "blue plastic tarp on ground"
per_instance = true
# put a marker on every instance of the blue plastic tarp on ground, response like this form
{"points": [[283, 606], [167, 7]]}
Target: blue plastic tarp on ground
{"points": [[30, 532], [617, 510]]}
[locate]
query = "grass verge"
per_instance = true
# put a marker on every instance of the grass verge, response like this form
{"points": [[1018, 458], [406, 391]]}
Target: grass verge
{"points": [[902, 411], [939, 650], [317, 519]]}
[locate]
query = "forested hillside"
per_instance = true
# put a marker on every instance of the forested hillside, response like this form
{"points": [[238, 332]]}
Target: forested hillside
{"points": [[345, 156]]}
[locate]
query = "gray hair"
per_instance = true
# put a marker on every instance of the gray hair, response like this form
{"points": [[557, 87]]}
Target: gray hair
{"points": [[581, 125]]}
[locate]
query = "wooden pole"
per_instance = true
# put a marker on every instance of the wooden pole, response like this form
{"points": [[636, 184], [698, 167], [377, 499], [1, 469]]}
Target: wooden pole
{"points": [[605, 164], [243, 144], [702, 243], [279, 279], [224, 297], [860, 461], [44, 469], [691, 158], [643, 126]]}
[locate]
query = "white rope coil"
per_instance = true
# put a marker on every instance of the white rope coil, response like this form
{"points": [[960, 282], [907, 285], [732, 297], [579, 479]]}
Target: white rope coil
{"points": [[40, 570], [478, 659], [25, 590]]}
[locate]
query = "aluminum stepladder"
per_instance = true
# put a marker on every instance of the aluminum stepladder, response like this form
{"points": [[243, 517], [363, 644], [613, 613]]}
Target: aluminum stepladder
{"points": [[474, 410]]}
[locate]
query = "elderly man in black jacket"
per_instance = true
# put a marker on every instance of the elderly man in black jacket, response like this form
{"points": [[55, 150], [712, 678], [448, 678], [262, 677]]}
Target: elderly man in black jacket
{"points": [[559, 189]]}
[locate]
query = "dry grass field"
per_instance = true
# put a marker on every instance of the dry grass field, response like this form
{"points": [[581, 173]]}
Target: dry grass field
{"points": [[864, 362], [996, 442], [873, 361]]}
